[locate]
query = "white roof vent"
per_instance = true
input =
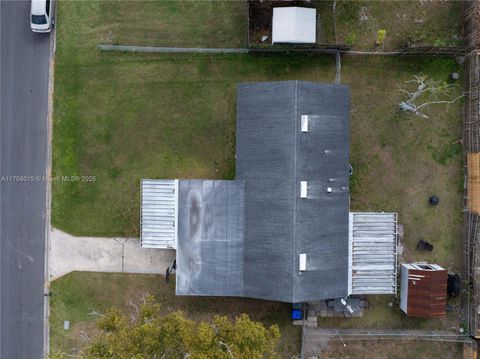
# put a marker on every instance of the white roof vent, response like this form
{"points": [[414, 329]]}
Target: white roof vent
{"points": [[303, 189], [304, 123], [329, 189], [302, 262]]}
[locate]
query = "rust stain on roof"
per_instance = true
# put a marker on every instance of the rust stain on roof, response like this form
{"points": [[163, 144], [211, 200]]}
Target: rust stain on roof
{"points": [[427, 293]]}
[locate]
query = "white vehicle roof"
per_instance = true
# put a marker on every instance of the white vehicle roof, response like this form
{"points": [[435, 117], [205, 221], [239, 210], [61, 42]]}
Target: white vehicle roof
{"points": [[38, 7]]}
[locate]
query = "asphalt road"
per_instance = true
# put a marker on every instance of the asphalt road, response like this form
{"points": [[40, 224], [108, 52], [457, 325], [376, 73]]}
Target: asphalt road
{"points": [[23, 132]]}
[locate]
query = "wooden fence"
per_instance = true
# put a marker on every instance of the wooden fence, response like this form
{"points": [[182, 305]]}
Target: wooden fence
{"points": [[471, 148], [471, 16]]}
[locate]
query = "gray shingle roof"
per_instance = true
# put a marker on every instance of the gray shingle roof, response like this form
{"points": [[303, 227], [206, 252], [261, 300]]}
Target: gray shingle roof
{"points": [[273, 156]]}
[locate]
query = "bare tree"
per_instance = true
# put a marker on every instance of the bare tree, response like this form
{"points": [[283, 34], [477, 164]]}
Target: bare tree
{"points": [[142, 299], [226, 346], [428, 92], [136, 312]]}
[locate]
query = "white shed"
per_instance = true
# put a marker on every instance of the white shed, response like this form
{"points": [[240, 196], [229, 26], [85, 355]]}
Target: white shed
{"points": [[297, 25]]}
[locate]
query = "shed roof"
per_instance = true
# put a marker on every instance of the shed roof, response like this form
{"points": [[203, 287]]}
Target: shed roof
{"points": [[426, 290], [294, 25]]}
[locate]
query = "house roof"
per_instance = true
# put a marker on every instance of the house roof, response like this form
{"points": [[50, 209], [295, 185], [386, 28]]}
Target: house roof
{"points": [[294, 25], [273, 157], [280, 230]]}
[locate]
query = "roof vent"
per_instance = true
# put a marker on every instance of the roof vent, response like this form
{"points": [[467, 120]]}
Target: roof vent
{"points": [[303, 189], [304, 121], [302, 263], [329, 189]]}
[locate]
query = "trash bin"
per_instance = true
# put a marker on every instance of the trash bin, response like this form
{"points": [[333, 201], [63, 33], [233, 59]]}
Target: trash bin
{"points": [[424, 246], [297, 314]]}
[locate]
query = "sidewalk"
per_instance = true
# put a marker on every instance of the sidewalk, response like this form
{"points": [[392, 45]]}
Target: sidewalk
{"points": [[119, 255]]}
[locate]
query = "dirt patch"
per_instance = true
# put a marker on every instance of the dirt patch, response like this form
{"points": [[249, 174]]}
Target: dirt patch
{"points": [[406, 23], [391, 349]]}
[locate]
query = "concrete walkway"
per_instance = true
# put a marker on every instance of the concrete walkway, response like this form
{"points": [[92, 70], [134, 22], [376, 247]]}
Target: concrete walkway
{"points": [[91, 254]]}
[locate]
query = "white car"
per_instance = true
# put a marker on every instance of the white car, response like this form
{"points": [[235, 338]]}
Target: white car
{"points": [[41, 19]]}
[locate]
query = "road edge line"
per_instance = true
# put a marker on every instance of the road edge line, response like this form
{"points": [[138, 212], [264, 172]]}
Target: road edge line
{"points": [[48, 193]]}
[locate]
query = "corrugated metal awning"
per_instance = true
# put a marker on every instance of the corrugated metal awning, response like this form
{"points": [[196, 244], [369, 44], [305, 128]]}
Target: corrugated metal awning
{"points": [[373, 253], [159, 213]]}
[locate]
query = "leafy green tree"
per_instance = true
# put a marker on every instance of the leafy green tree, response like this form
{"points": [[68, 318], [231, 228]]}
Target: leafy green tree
{"points": [[151, 335]]}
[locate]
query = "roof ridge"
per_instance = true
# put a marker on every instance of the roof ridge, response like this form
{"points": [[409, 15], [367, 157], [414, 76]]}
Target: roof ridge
{"points": [[295, 181]]}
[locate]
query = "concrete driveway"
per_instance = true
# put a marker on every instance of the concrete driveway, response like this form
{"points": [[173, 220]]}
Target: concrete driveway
{"points": [[93, 254]]}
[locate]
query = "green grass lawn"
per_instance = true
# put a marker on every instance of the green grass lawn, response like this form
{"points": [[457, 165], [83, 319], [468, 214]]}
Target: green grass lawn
{"points": [[123, 117], [400, 160], [181, 23], [77, 296]]}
